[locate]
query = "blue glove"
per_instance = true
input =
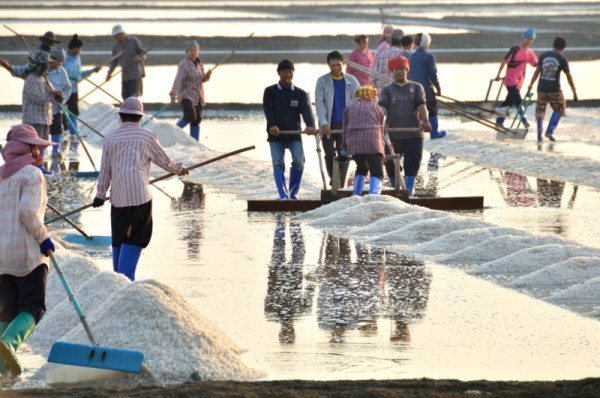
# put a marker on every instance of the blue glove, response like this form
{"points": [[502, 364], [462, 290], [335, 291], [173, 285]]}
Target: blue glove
{"points": [[47, 245]]}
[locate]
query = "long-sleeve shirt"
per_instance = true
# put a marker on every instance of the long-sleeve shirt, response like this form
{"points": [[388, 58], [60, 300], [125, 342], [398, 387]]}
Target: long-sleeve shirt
{"points": [[22, 211], [401, 103], [283, 107], [381, 67], [37, 100], [363, 128], [423, 70], [325, 93], [74, 69], [128, 50], [127, 154], [188, 81], [366, 59], [60, 81]]}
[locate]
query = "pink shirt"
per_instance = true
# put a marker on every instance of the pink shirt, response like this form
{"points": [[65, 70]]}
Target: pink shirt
{"points": [[515, 70], [365, 59], [384, 45]]}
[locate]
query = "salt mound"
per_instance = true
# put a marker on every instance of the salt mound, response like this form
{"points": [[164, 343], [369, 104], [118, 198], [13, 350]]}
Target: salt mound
{"points": [[363, 214], [424, 230], [62, 318], [560, 275], [77, 270], [584, 297], [331, 208], [394, 222], [529, 260], [459, 240], [495, 248], [176, 339]]}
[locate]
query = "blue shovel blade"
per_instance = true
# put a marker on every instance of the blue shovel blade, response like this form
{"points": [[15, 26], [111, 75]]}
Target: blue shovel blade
{"points": [[88, 356], [95, 241], [87, 174]]}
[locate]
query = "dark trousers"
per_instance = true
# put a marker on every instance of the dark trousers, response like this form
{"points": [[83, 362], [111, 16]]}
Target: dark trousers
{"points": [[73, 107], [411, 150], [191, 113], [513, 98], [131, 225], [132, 88], [432, 108], [369, 163], [57, 124], [332, 145], [23, 294]]}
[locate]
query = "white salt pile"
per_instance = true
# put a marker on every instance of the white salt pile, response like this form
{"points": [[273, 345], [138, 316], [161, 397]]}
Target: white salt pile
{"points": [[332, 208], [559, 276], [496, 248], [532, 259], [363, 214], [582, 298], [394, 222], [77, 270]]}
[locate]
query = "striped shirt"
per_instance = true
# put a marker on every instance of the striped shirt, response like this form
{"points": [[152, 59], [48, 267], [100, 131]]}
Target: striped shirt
{"points": [[127, 154], [363, 128], [73, 67], [188, 81], [37, 100], [22, 211], [60, 81], [381, 67]]}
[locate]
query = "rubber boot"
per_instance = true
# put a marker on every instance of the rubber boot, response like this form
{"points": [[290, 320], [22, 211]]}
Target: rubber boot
{"points": [[116, 252], [195, 132], [500, 121], [56, 148], [44, 170], [128, 259], [295, 180], [409, 181], [435, 134], [72, 125], [3, 326], [540, 129], [279, 176], [374, 186], [552, 124], [12, 338], [181, 123], [359, 184], [392, 181]]}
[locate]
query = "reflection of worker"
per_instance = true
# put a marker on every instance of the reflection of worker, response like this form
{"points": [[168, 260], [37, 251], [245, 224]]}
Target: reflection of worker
{"points": [[192, 198], [518, 190], [549, 192]]}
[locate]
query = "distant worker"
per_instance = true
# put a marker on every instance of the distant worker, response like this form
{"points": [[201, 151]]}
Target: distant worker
{"points": [[130, 54], [423, 70], [58, 77], [549, 66], [385, 41], [407, 42], [363, 56], [283, 104], [382, 75], [516, 61], [188, 88]]}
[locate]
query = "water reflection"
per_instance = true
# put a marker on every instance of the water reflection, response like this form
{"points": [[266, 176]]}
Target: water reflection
{"points": [[192, 198]]}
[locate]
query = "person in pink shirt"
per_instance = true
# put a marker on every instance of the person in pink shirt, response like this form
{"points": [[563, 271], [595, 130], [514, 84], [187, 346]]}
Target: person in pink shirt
{"points": [[516, 61], [385, 41], [362, 56]]}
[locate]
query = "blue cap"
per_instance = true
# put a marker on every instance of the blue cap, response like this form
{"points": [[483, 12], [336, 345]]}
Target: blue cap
{"points": [[528, 33]]}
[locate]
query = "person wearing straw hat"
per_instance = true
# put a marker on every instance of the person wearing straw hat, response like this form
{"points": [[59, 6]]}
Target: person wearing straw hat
{"points": [[130, 54], [74, 69], [405, 103], [127, 154], [188, 88], [58, 77], [24, 242], [363, 139], [46, 43]]}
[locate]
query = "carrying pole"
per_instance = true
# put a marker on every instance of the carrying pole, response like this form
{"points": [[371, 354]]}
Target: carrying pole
{"points": [[71, 223]]}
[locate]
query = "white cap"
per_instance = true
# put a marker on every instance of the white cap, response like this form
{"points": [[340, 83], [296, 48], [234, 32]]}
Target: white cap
{"points": [[117, 29], [425, 40], [132, 106]]}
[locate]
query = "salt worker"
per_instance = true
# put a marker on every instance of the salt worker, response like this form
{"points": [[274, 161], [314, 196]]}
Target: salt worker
{"points": [[382, 74], [58, 77], [363, 139], [516, 61], [333, 93], [76, 73], [130, 54], [550, 65], [283, 104], [363, 56], [127, 154], [423, 70], [188, 88], [386, 39], [46, 43], [24, 243], [406, 107]]}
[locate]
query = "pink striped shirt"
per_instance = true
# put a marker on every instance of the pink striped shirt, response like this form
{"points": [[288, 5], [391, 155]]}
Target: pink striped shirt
{"points": [[365, 59], [127, 154], [188, 81], [363, 127]]}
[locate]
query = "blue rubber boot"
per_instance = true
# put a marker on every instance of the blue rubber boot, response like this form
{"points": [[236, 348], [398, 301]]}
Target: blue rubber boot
{"points": [[359, 184], [409, 181], [128, 260], [374, 186], [295, 180], [279, 176], [72, 125], [500, 121], [195, 132], [116, 252], [181, 123], [55, 148], [44, 170], [540, 129], [435, 134], [14, 335], [552, 124]]}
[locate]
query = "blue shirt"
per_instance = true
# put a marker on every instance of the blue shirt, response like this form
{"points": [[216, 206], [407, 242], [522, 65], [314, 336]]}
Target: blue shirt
{"points": [[423, 70], [339, 100], [72, 65]]}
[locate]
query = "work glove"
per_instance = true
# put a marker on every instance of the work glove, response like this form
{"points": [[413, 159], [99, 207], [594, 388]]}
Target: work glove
{"points": [[343, 158], [97, 69], [575, 98], [47, 245], [98, 202]]}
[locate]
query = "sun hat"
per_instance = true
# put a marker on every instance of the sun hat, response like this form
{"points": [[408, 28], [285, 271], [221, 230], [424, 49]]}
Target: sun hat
{"points": [[57, 54], [26, 134], [132, 106], [191, 44], [49, 36], [425, 40], [117, 29], [387, 30]]}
